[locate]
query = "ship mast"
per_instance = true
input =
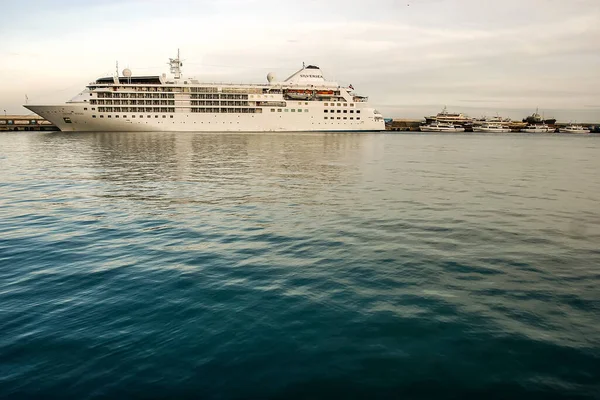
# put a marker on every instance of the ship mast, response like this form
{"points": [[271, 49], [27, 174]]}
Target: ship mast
{"points": [[176, 64]]}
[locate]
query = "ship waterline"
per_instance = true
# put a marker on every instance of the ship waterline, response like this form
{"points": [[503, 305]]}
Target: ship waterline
{"points": [[303, 102]]}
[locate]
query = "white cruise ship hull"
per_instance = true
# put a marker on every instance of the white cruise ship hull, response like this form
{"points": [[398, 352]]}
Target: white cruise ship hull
{"points": [[304, 102], [74, 118]]}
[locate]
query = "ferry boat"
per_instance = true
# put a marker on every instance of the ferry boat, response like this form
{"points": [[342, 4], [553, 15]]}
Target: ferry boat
{"points": [[572, 128], [491, 127], [447, 117], [305, 101], [538, 128], [441, 127]]}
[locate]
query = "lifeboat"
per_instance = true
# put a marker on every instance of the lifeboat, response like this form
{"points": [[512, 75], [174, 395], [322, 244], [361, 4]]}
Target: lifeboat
{"points": [[325, 93], [298, 93]]}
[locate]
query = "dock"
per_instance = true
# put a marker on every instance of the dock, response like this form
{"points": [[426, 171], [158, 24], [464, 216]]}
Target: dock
{"points": [[412, 125], [25, 123]]}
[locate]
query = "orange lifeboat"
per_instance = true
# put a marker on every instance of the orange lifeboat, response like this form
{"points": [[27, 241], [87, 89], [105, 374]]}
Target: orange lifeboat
{"points": [[325, 93]]}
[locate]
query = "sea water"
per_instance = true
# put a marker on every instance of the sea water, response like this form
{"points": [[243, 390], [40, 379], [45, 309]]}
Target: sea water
{"points": [[222, 266]]}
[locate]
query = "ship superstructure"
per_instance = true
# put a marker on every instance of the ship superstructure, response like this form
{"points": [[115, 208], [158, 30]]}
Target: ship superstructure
{"points": [[305, 101]]}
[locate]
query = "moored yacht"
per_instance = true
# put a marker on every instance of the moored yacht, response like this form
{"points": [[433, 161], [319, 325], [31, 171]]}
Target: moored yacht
{"points": [[437, 126], [572, 128], [538, 128], [305, 101], [491, 127]]}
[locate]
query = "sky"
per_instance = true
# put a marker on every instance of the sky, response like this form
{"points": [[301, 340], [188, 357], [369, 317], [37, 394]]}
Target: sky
{"points": [[410, 57]]}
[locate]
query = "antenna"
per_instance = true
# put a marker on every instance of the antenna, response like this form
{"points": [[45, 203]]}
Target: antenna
{"points": [[176, 64]]}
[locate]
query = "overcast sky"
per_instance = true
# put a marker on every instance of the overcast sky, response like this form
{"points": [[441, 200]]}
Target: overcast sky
{"points": [[409, 57]]}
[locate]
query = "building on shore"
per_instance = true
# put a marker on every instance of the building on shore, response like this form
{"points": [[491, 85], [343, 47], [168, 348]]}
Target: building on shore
{"points": [[25, 123]]}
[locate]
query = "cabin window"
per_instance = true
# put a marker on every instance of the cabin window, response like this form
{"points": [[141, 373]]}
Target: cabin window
{"points": [[299, 110], [133, 116], [84, 108], [351, 117], [171, 116], [305, 104], [338, 104], [285, 109], [117, 116], [325, 117], [325, 105], [156, 116], [345, 111], [272, 110], [164, 116], [93, 109], [93, 116], [279, 110], [339, 111], [351, 104], [325, 111], [357, 117], [345, 117], [351, 111], [293, 110], [305, 110], [101, 116], [124, 116], [338, 117], [358, 111], [148, 116], [110, 116]]}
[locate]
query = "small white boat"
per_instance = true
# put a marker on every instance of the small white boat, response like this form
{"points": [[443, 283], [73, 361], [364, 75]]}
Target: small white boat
{"points": [[491, 127], [571, 128], [538, 128], [437, 126]]}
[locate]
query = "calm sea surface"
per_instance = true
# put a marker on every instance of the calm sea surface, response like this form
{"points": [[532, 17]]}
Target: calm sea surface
{"points": [[226, 266]]}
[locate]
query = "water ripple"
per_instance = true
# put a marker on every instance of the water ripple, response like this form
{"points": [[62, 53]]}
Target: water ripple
{"points": [[184, 265]]}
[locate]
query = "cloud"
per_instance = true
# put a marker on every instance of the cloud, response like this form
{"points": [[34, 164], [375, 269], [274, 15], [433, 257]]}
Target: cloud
{"points": [[527, 53]]}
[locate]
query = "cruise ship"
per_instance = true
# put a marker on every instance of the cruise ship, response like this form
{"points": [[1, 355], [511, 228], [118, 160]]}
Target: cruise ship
{"points": [[305, 101]]}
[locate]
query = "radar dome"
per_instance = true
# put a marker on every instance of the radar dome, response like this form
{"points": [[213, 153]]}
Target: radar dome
{"points": [[127, 73], [270, 77]]}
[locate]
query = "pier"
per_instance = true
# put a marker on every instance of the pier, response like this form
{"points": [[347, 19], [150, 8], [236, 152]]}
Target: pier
{"points": [[412, 125], [25, 123]]}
